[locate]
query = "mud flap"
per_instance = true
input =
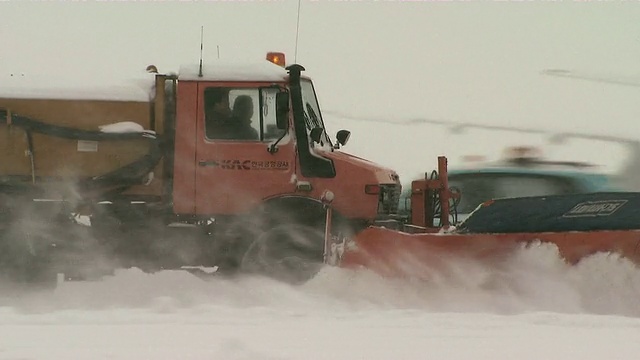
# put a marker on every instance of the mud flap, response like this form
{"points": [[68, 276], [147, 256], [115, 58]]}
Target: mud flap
{"points": [[558, 213]]}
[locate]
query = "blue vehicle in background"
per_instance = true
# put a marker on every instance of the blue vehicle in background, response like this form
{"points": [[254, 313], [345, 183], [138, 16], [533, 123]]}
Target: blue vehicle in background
{"points": [[523, 173]]}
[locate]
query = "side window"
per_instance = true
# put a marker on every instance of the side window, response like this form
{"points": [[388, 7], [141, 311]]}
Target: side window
{"points": [[475, 190], [232, 114], [235, 114], [516, 186]]}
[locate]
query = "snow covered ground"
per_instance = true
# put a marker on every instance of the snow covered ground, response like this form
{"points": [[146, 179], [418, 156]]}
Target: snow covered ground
{"points": [[537, 309]]}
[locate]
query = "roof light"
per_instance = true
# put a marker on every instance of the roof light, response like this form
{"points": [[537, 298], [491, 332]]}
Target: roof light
{"points": [[276, 58], [473, 158], [523, 155], [523, 152]]}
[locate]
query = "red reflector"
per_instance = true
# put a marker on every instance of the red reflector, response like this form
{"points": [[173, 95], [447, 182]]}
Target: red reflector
{"points": [[488, 202], [372, 189]]}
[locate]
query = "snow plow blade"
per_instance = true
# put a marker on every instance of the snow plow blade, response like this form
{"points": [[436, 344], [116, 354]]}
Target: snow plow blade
{"points": [[579, 225], [392, 253]]}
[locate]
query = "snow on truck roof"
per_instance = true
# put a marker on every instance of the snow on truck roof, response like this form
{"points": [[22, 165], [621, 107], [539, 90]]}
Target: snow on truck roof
{"points": [[135, 87], [235, 71]]}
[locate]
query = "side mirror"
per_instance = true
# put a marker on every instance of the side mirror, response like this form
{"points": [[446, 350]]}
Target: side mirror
{"points": [[282, 110], [316, 134], [343, 137]]}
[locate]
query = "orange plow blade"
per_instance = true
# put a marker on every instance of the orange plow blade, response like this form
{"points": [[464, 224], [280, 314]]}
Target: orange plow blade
{"points": [[578, 225], [392, 253]]}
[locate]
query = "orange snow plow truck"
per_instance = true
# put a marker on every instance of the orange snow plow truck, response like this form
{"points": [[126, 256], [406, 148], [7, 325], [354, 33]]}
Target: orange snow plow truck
{"points": [[227, 169]]}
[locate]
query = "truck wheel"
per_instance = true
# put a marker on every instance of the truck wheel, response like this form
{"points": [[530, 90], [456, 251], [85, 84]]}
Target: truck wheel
{"points": [[31, 271], [292, 253], [23, 266], [31, 243]]}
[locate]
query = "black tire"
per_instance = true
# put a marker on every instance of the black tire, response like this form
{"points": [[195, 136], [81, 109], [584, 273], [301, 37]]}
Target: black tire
{"points": [[282, 239], [25, 257], [39, 242], [30, 270], [292, 253]]}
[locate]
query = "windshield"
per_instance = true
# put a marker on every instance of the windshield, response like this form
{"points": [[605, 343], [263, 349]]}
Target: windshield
{"points": [[477, 189], [312, 116]]}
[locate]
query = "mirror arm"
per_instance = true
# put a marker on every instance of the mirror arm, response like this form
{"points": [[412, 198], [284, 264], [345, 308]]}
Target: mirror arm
{"points": [[273, 148]]}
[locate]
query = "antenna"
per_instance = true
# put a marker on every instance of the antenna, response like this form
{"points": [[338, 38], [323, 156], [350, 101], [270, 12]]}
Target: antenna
{"points": [[616, 80], [201, 46], [295, 55], [218, 46]]}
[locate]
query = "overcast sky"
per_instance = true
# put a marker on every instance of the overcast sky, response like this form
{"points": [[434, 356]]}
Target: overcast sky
{"points": [[463, 61]]}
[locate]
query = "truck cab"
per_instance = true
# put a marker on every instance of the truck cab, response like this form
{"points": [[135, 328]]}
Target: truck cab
{"points": [[284, 151]]}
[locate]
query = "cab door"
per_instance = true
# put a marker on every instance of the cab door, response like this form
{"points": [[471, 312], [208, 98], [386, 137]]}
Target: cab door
{"points": [[234, 172]]}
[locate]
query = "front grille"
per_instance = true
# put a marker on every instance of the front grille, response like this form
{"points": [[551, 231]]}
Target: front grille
{"points": [[388, 199]]}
